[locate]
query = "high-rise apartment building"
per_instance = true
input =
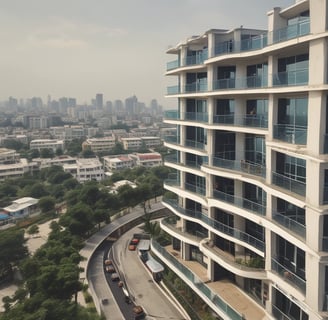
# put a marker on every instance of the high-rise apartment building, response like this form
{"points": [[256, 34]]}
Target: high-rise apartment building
{"points": [[99, 101], [250, 208]]}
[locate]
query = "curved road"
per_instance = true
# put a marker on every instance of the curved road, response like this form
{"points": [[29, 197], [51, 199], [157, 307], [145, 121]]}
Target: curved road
{"points": [[140, 283]]}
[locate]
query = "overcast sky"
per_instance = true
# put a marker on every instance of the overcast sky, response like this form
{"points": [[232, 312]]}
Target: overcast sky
{"points": [[77, 48]]}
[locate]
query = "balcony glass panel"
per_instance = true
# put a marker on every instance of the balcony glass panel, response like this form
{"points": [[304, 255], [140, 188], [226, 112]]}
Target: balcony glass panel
{"points": [[195, 189], [195, 144], [172, 158], [288, 275], [240, 83], [171, 114], [290, 133], [197, 58], [240, 165], [325, 195], [173, 90], [290, 223], [230, 231], [199, 86], [198, 283], [224, 47], [254, 43], [293, 31], [196, 116], [172, 65], [291, 78], [287, 183], [240, 202], [172, 139]]}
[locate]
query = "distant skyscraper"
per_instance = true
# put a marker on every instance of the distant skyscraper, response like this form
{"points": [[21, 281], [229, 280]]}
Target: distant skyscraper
{"points": [[131, 105], [99, 101]]}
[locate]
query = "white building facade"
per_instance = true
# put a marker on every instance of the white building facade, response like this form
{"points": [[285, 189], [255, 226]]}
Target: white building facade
{"points": [[251, 167]]}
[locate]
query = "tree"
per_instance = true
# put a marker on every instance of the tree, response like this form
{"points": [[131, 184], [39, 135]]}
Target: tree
{"points": [[46, 153], [34, 229], [12, 250], [47, 204]]}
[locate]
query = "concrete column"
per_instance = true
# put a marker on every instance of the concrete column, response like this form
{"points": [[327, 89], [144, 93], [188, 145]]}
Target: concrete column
{"points": [[210, 109], [318, 14], [275, 22], [314, 221], [317, 60], [183, 108], [240, 146], [210, 76], [210, 145], [314, 182], [211, 44]]}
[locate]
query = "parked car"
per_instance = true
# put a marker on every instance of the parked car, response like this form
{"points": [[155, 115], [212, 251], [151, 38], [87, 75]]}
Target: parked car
{"points": [[115, 277], [110, 269]]}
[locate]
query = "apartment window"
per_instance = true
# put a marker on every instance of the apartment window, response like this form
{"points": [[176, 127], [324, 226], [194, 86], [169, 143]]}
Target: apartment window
{"points": [[284, 308], [225, 145], [293, 112], [255, 149], [294, 63], [257, 75], [291, 167]]}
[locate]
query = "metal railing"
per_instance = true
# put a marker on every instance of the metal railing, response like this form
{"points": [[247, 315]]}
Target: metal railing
{"points": [[287, 183], [290, 224], [288, 275], [240, 165], [221, 227], [240, 202]]}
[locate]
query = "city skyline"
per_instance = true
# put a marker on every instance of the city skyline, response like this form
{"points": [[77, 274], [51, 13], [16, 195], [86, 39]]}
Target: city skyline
{"points": [[77, 49]]}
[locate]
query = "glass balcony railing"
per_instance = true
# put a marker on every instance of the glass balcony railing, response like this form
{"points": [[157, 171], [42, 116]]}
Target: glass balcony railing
{"points": [[199, 86], [241, 83], [194, 163], [240, 165], [290, 224], [290, 32], [325, 243], [325, 195], [288, 275], [202, 289], [287, 183], [290, 133], [224, 48], [223, 228], [174, 182], [197, 59], [195, 189], [195, 144], [291, 78], [254, 43], [256, 121], [240, 202], [172, 139], [171, 114], [172, 158], [196, 116], [173, 90], [172, 65]]}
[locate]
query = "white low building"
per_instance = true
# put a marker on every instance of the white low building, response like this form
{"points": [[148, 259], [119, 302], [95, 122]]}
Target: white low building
{"points": [[52, 144], [147, 159], [118, 163], [86, 169], [22, 207], [99, 144]]}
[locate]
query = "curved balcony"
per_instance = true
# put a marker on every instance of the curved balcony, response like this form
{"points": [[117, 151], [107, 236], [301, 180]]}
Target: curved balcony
{"points": [[168, 223], [263, 40], [243, 203], [199, 86], [196, 116], [216, 226], [195, 144], [290, 133], [196, 283], [290, 224], [173, 89], [240, 166], [288, 275], [289, 184], [172, 139], [172, 65], [195, 189], [229, 262], [255, 121]]}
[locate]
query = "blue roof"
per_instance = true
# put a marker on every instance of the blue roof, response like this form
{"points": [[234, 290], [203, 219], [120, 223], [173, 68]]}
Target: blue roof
{"points": [[3, 216]]}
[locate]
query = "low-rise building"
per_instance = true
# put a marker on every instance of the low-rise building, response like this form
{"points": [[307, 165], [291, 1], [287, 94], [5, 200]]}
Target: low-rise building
{"points": [[99, 144], [86, 169], [147, 159], [22, 207], [47, 144], [118, 162]]}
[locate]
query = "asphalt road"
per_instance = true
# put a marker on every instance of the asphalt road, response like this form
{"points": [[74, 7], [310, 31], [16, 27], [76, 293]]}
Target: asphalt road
{"points": [[139, 281]]}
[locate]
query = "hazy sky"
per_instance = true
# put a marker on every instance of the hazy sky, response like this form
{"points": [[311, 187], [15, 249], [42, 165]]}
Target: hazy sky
{"points": [[77, 48]]}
